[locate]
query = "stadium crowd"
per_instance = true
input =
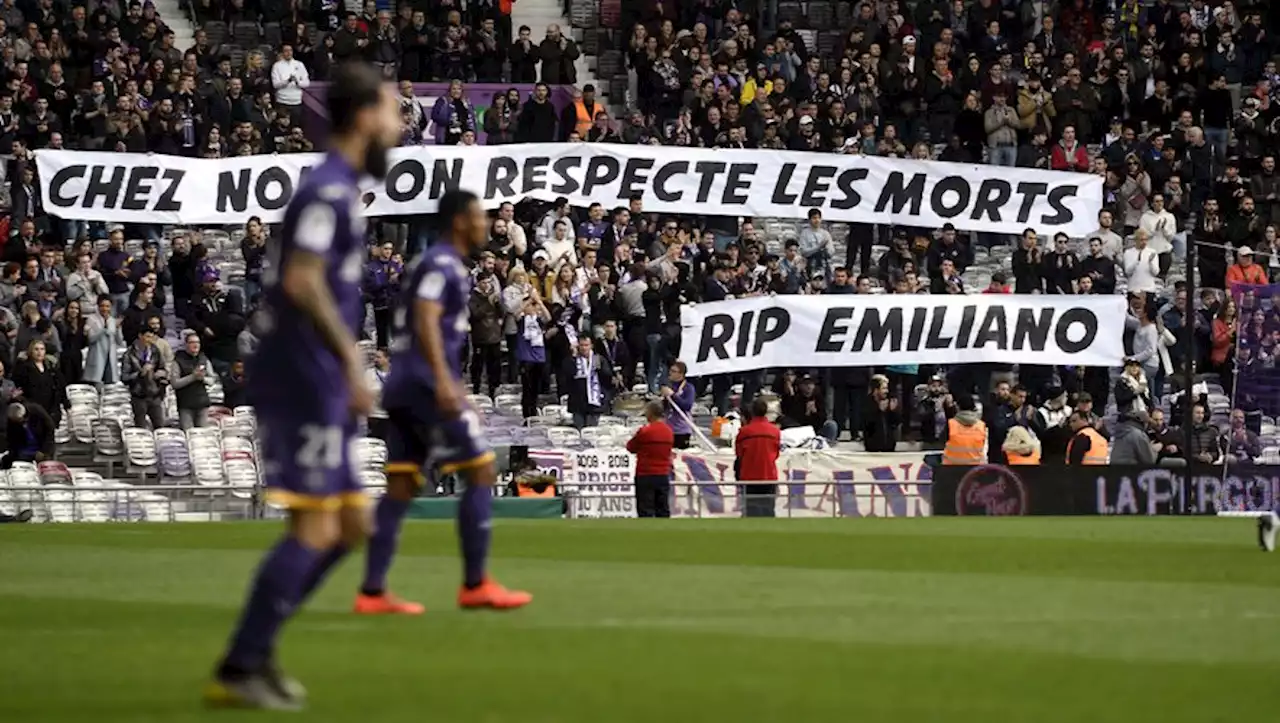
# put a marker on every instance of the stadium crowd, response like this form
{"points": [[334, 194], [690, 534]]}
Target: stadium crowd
{"points": [[1174, 104]]}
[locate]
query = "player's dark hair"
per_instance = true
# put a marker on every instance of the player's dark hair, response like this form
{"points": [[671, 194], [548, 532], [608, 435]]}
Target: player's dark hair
{"points": [[454, 203], [759, 407], [353, 87]]}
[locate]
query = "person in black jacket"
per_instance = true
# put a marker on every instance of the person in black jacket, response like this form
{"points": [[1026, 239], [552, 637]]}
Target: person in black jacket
{"points": [[537, 120], [41, 382], [880, 418], [590, 383], [29, 434], [218, 317], [182, 270], [1099, 268]]}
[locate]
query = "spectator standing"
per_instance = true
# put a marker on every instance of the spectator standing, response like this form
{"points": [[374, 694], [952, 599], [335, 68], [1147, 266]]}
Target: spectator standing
{"points": [[40, 381], [486, 308], [71, 330], [376, 377], [880, 418], [381, 287], [86, 283], [453, 115], [253, 248], [581, 114], [678, 395], [816, 244], [757, 448], [524, 57], [233, 386], [1002, 124], [104, 342], [537, 120], [590, 383], [652, 445], [557, 54], [218, 317], [143, 370], [113, 263], [191, 370], [1142, 265], [289, 77]]}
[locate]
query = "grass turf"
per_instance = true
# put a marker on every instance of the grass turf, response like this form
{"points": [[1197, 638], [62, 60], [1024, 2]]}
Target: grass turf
{"points": [[871, 620]]}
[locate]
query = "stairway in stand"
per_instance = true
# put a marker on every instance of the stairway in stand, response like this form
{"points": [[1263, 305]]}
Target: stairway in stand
{"points": [[171, 12], [538, 14]]}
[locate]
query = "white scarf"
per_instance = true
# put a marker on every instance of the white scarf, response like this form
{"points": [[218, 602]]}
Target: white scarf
{"points": [[587, 370], [533, 331]]}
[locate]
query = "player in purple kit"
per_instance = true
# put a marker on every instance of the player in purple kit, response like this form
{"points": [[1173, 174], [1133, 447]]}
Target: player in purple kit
{"points": [[307, 385], [431, 424]]}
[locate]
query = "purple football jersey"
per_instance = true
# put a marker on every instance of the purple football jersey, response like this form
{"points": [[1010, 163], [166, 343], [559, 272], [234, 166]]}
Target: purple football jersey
{"points": [[419, 433], [295, 382], [293, 367], [439, 276]]}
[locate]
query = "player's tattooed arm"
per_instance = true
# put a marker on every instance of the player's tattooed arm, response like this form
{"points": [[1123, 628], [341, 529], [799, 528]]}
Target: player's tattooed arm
{"points": [[304, 283]]}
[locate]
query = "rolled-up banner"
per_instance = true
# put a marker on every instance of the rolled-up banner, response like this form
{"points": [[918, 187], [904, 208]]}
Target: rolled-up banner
{"points": [[151, 188], [844, 330]]}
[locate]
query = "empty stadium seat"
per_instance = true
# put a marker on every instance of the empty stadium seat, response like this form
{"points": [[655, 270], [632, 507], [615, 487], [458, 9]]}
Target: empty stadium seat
{"points": [[174, 458], [140, 450]]}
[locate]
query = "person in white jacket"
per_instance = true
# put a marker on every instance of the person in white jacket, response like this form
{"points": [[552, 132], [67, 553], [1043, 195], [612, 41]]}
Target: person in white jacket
{"points": [[1142, 265], [1160, 225], [289, 77]]}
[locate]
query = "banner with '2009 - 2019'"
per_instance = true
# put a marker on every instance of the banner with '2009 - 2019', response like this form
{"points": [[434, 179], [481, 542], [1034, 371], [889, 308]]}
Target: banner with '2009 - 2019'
{"points": [[863, 330], [149, 188]]}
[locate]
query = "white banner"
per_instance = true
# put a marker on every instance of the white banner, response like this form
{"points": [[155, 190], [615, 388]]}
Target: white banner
{"points": [[825, 483], [148, 188], [867, 330]]}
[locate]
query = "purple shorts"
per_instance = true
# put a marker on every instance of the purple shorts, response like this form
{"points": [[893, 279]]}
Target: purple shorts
{"points": [[419, 438], [310, 465]]}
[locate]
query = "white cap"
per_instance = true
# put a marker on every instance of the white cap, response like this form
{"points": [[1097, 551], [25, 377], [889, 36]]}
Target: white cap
{"points": [[541, 254], [909, 40], [1244, 251], [805, 120]]}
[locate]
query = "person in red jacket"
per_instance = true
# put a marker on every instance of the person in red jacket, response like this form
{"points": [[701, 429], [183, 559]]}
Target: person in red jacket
{"points": [[652, 446], [758, 446], [1069, 154]]}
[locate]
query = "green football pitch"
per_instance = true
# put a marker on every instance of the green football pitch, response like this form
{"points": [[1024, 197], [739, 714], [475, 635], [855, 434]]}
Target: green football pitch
{"points": [[1021, 620]]}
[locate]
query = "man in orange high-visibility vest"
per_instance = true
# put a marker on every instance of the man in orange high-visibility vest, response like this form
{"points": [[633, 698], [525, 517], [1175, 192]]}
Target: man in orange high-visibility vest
{"points": [[966, 434], [580, 115], [1086, 446]]}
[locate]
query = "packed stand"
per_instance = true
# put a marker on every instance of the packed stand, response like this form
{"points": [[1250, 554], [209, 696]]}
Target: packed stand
{"points": [[576, 311]]}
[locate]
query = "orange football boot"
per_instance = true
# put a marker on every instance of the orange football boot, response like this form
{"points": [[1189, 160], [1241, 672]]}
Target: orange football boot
{"points": [[493, 596], [386, 604]]}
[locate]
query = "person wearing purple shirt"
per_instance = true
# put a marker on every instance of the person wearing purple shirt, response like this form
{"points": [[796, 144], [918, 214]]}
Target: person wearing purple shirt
{"points": [[307, 384], [381, 285], [678, 395], [113, 262]]}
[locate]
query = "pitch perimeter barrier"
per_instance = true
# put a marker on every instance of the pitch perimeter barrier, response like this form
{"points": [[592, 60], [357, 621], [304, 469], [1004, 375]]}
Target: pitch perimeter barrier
{"points": [[996, 490]]}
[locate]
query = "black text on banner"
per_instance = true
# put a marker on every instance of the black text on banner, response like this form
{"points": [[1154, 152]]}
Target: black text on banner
{"points": [[149, 188], [862, 330]]}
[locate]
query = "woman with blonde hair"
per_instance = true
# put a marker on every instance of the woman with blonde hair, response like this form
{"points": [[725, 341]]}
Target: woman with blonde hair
{"points": [[1021, 446]]}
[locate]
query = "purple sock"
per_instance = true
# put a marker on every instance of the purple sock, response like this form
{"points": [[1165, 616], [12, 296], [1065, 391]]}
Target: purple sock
{"points": [[473, 532], [321, 570], [382, 545], [276, 591]]}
